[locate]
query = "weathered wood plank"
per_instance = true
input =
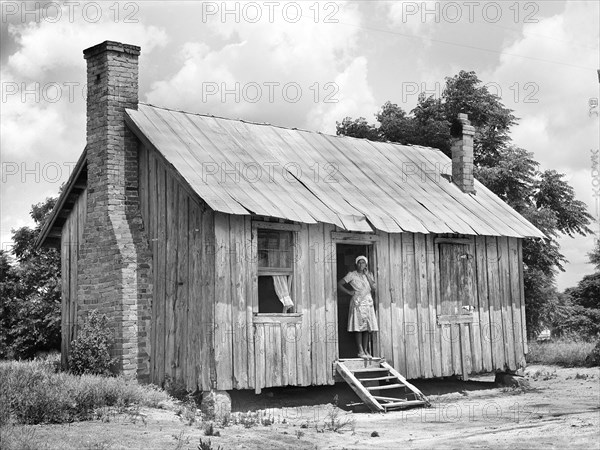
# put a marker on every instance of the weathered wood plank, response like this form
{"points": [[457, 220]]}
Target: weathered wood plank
{"points": [[444, 262], [475, 326], [483, 310], [383, 296], [302, 299], [522, 287], [433, 293], [251, 282], [150, 224], [464, 259], [238, 289], [143, 181], [496, 326], [505, 298], [397, 305], [410, 306], [259, 356], [453, 302], [223, 298], [161, 272], [515, 295], [274, 355], [194, 315], [73, 268], [65, 319], [181, 279], [423, 306], [285, 362], [208, 297], [171, 278], [330, 300], [317, 299]]}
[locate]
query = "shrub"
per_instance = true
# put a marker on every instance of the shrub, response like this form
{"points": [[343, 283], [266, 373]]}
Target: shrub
{"points": [[90, 351], [593, 358], [32, 392]]}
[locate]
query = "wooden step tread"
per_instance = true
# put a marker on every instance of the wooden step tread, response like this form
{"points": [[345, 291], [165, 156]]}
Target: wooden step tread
{"points": [[369, 369], [386, 386], [389, 399], [391, 377], [387, 406]]}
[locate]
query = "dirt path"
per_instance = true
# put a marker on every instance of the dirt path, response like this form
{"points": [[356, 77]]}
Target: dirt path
{"points": [[562, 410]]}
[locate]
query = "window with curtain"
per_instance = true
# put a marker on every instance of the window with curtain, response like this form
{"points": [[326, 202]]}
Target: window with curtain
{"points": [[275, 270]]}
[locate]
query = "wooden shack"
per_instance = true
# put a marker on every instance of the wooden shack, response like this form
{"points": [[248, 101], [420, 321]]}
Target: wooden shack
{"points": [[185, 229]]}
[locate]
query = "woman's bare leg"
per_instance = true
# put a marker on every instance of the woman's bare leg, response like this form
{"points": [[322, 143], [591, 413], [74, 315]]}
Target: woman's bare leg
{"points": [[359, 343], [365, 342]]}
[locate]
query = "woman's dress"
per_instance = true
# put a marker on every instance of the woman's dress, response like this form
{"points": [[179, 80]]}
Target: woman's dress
{"points": [[362, 313]]}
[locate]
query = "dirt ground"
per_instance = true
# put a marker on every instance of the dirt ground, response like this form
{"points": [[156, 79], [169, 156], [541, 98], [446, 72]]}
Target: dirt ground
{"points": [[560, 410]]}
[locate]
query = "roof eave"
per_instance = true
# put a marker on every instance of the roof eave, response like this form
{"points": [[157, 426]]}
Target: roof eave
{"points": [[44, 239]]}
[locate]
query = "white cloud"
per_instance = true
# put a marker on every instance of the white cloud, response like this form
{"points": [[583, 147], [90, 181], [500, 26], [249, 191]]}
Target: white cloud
{"points": [[417, 18], [270, 72], [552, 100], [354, 99], [44, 129]]}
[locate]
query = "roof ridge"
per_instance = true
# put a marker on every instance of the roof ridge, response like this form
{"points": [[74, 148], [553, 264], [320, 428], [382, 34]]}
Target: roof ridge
{"points": [[285, 128]]}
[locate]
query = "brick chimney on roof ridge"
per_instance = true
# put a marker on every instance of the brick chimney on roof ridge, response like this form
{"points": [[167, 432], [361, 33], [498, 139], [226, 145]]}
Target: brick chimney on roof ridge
{"points": [[113, 273], [462, 157]]}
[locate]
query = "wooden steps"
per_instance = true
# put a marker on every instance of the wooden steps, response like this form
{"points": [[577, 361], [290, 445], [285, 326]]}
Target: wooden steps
{"points": [[384, 373]]}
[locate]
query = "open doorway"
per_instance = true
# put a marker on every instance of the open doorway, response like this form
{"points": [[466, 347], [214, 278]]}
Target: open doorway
{"points": [[346, 254]]}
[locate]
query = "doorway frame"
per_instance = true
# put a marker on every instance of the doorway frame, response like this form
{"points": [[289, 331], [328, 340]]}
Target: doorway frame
{"points": [[352, 238]]}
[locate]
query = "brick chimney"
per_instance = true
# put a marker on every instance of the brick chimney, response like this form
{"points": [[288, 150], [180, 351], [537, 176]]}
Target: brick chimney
{"points": [[114, 261], [462, 156]]}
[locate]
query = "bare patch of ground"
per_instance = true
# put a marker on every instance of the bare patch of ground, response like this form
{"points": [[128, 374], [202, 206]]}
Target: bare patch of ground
{"points": [[561, 410]]}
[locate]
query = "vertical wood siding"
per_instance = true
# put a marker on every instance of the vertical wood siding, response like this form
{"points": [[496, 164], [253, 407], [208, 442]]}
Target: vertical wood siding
{"points": [[408, 302], [71, 238], [423, 348], [181, 233]]}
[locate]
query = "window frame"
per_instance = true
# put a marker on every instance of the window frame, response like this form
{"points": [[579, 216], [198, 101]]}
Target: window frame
{"points": [[259, 317]]}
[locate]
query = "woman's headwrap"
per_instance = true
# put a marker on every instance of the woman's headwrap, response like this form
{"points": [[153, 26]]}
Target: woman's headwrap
{"points": [[358, 258]]}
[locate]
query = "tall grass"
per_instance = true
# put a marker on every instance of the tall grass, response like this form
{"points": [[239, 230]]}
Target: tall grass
{"points": [[564, 352], [34, 392]]}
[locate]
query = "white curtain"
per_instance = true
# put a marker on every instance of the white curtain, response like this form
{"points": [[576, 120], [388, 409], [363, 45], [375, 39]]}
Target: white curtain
{"points": [[282, 291]]}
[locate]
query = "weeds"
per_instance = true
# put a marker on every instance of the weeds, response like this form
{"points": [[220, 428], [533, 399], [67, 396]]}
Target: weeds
{"points": [[564, 352], [209, 429], [250, 419], [334, 422], [207, 445], [21, 438], [188, 411], [181, 440], [544, 375], [31, 393]]}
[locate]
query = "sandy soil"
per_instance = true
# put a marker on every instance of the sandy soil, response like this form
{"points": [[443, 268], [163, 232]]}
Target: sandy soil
{"points": [[561, 410]]}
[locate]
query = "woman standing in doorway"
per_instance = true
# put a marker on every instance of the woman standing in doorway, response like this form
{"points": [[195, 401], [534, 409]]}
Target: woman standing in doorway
{"points": [[361, 319]]}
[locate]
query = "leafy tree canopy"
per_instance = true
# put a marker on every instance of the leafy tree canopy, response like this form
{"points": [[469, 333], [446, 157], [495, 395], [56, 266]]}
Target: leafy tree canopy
{"points": [[30, 290]]}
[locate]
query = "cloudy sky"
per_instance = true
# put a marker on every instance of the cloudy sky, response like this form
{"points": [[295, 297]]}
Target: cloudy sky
{"points": [[300, 64]]}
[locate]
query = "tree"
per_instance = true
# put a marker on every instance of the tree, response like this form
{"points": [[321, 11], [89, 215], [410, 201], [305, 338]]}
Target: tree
{"points": [[584, 300], [544, 198], [595, 255], [30, 307]]}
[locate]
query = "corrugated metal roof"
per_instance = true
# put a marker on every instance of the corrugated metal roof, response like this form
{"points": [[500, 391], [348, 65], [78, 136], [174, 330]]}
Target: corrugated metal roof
{"points": [[238, 167]]}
